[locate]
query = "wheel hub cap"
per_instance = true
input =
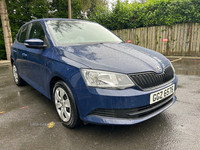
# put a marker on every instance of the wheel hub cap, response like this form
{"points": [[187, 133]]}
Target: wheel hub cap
{"points": [[62, 102]]}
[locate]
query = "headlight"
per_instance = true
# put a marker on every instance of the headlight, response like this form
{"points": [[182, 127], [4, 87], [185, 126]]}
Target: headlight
{"points": [[104, 79]]}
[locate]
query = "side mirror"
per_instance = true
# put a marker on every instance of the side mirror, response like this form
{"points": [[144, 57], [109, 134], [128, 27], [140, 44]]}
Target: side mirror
{"points": [[35, 43]]}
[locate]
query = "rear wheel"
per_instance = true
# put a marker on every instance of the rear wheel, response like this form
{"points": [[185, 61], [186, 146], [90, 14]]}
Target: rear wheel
{"points": [[18, 80], [65, 105]]}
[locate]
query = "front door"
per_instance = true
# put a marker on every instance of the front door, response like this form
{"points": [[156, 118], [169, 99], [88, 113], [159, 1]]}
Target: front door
{"points": [[36, 68]]}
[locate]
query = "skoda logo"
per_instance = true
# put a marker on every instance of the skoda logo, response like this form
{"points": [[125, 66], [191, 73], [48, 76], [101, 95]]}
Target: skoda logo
{"points": [[158, 68]]}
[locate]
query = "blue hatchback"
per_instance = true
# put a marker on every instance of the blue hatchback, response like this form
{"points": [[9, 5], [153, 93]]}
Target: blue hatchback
{"points": [[91, 74]]}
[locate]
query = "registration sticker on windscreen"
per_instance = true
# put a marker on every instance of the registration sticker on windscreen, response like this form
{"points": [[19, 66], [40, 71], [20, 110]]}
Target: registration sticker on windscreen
{"points": [[162, 94]]}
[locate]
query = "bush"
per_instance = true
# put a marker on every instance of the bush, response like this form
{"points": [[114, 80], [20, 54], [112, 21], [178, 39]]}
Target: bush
{"points": [[2, 54], [151, 13], [2, 45]]}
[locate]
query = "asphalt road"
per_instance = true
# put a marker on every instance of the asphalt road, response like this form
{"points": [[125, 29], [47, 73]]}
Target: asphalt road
{"points": [[25, 115]]}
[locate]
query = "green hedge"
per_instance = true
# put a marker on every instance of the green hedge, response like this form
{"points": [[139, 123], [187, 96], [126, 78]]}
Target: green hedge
{"points": [[151, 13], [2, 54], [2, 45]]}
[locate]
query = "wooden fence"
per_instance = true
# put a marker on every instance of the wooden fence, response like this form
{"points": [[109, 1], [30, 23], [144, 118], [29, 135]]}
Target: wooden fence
{"points": [[176, 40]]}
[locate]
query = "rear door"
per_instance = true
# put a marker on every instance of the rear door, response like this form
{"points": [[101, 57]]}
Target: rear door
{"points": [[19, 50]]}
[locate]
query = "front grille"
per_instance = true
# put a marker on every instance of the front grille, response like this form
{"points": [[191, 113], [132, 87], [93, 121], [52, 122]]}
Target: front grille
{"points": [[152, 79], [133, 112]]}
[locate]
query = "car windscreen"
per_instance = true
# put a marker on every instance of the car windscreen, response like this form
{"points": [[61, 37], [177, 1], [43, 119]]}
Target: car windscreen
{"points": [[79, 32]]}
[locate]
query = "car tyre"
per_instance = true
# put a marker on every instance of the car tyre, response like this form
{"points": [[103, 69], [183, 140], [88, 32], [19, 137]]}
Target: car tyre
{"points": [[65, 105], [18, 80]]}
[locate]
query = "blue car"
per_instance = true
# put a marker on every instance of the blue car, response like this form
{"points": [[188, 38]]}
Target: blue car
{"points": [[91, 74]]}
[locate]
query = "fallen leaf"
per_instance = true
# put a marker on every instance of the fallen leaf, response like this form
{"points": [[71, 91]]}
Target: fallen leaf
{"points": [[51, 124], [1, 112], [24, 107]]}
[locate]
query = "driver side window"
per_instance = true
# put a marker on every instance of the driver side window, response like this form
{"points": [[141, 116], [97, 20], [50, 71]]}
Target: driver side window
{"points": [[37, 32]]}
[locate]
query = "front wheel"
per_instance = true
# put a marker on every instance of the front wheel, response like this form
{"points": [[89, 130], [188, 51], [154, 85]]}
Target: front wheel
{"points": [[65, 105]]}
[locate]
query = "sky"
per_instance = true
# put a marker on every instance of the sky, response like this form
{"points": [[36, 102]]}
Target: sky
{"points": [[116, 0], [113, 1]]}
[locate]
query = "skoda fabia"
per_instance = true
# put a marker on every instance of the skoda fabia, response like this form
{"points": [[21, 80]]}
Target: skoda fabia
{"points": [[90, 74]]}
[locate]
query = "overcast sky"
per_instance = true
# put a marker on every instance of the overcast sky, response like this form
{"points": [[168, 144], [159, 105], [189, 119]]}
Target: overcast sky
{"points": [[113, 1], [116, 0]]}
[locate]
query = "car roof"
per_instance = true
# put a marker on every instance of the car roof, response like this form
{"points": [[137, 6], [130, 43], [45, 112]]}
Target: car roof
{"points": [[47, 19]]}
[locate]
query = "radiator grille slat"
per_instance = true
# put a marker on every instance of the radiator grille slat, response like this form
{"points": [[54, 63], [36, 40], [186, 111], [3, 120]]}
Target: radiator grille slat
{"points": [[152, 79]]}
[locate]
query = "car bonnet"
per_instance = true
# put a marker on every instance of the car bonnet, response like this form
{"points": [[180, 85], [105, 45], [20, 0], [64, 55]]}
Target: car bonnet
{"points": [[120, 57]]}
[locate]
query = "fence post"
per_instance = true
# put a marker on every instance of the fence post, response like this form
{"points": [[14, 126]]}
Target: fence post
{"points": [[190, 39]]}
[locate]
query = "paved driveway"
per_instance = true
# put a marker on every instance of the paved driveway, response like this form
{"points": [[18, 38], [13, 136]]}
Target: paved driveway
{"points": [[25, 115]]}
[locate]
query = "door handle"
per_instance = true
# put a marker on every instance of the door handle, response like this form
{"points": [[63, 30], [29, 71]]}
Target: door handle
{"points": [[24, 55], [14, 53]]}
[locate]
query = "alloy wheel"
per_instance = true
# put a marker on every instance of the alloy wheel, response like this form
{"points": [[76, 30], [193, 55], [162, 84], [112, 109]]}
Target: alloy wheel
{"points": [[15, 74], [63, 105]]}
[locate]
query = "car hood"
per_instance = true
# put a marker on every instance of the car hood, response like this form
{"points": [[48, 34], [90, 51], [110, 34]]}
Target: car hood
{"points": [[121, 57]]}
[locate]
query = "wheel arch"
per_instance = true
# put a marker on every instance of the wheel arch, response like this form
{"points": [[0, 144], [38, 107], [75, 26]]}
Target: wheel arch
{"points": [[55, 79], [52, 83], [12, 61]]}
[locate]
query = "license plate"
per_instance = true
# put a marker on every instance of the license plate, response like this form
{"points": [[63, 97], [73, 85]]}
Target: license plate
{"points": [[159, 95]]}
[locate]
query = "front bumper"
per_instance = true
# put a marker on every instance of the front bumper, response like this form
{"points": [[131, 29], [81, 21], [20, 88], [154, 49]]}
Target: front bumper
{"points": [[97, 119], [120, 107]]}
